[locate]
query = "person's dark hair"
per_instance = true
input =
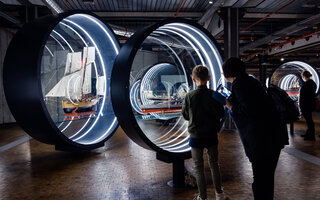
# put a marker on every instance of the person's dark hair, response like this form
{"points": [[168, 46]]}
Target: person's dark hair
{"points": [[306, 74], [233, 67], [200, 72]]}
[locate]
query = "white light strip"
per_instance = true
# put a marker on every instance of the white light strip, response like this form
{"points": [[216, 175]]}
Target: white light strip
{"points": [[173, 139], [102, 137], [184, 143], [214, 50], [184, 150], [81, 128], [165, 139], [61, 123], [182, 66], [186, 39], [67, 125], [104, 30], [66, 25], [48, 50], [63, 39], [57, 42], [133, 94], [202, 50], [175, 39]]}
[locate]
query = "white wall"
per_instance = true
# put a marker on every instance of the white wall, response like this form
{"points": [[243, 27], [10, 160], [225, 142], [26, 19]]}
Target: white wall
{"points": [[5, 114]]}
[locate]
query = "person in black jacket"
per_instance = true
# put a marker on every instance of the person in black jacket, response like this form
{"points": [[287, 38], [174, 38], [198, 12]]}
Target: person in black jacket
{"points": [[307, 103], [204, 113], [259, 126]]}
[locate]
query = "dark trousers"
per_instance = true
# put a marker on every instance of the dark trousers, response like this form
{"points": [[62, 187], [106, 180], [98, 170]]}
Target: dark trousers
{"points": [[308, 116], [263, 176]]}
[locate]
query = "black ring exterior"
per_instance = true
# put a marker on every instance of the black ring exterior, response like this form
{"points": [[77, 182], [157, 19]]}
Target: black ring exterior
{"points": [[22, 82], [120, 86]]}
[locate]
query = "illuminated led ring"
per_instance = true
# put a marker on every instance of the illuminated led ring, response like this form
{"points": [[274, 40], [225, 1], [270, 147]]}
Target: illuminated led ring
{"points": [[204, 48], [23, 84], [288, 79]]}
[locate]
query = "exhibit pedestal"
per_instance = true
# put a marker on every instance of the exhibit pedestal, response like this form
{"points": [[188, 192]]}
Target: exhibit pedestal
{"points": [[178, 175]]}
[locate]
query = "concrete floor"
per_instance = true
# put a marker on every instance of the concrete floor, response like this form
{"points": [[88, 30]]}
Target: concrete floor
{"points": [[124, 170]]}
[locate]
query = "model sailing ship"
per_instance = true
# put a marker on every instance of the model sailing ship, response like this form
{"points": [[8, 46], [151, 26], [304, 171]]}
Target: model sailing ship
{"points": [[78, 87]]}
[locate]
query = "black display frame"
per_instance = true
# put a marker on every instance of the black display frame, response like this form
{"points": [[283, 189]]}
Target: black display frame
{"points": [[120, 86], [22, 82]]}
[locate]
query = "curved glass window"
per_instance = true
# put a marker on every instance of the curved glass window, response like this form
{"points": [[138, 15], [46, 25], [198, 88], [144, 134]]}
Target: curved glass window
{"points": [[160, 77], [288, 77], [75, 78]]}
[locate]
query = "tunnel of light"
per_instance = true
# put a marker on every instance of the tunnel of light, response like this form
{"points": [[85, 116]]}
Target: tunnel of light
{"points": [[288, 77], [158, 63], [73, 79]]}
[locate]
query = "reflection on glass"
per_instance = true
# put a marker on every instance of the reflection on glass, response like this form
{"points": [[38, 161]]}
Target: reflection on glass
{"points": [[161, 77], [75, 73], [288, 77]]}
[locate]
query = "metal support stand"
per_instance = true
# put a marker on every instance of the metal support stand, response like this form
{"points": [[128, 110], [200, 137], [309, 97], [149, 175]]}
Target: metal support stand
{"points": [[262, 71], [231, 45], [178, 177]]}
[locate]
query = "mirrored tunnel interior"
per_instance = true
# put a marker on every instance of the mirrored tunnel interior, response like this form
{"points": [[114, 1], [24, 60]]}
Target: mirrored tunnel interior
{"points": [[75, 73], [288, 77], [160, 77]]}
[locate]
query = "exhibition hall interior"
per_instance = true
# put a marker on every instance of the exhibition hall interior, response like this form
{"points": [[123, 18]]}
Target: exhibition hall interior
{"points": [[92, 94]]}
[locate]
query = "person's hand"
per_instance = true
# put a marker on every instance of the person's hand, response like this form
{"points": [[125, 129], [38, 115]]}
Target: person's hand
{"points": [[228, 105]]}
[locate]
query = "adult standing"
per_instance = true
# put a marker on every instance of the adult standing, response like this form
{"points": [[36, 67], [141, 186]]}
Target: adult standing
{"points": [[261, 132], [307, 103]]}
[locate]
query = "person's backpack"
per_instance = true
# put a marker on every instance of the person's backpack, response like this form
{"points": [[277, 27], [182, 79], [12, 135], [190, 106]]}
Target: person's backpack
{"points": [[284, 105]]}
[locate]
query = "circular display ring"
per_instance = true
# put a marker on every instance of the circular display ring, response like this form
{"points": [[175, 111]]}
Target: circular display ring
{"points": [[288, 77], [151, 76], [57, 73]]}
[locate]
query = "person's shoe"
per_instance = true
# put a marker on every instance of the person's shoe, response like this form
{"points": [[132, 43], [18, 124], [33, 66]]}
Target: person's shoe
{"points": [[197, 197], [309, 138], [221, 196]]}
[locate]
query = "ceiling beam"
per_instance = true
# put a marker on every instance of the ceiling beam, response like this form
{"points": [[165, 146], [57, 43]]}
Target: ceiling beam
{"points": [[53, 6], [208, 15], [149, 14], [25, 2], [277, 16], [284, 32], [10, 18]]}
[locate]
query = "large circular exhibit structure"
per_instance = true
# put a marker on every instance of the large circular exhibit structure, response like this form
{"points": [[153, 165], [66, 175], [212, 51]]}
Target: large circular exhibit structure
{"points": [[288, 77], [151, 77], [57, 73]]}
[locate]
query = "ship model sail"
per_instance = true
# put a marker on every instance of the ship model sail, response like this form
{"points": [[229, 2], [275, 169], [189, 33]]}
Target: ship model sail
{"points": [[79, 88]]}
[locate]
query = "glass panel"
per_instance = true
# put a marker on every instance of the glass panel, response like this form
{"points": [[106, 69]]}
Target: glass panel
{"points": [[75, 73], [288, 77], [161, 76]]}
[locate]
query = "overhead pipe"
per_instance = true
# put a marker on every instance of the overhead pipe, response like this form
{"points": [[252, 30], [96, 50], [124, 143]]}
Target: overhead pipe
{"points": [[176, 14], [283, 43], [69, 4], [267, 16]]}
